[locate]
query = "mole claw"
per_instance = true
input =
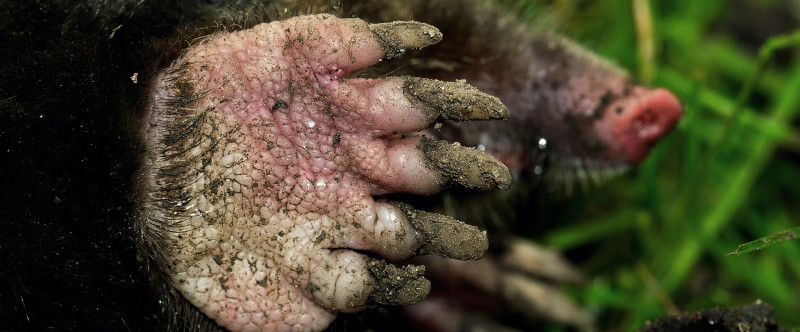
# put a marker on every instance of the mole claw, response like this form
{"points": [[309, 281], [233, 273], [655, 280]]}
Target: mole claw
{"points": [[398, 285], [469, 167], [400, 35], [445, 236], [457, 101], [532, 259], [522, 294]]}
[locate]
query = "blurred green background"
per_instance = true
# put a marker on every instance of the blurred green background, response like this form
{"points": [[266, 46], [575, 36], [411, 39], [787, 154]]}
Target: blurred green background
{"points": [[655, 241]]}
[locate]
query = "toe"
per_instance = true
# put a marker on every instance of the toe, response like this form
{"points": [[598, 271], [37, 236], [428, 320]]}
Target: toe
{"points": [[387, 232], [346, 281], [409, 104], [422, 166], [335, 47], [392, 165], [380, 107], [398, 231]]}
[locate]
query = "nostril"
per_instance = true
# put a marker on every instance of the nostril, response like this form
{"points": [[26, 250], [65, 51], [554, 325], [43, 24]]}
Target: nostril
{"points": [[646, 125], [645, 120], [661, 112]]}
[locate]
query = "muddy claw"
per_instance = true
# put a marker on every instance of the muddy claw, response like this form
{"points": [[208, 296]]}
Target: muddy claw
{"points": [[398, 36], [456, 101], [445, 236], [469, 167], [535, 260], [398, 286]]}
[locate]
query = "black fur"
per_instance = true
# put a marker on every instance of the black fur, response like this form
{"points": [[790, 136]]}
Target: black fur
{"points": [[68, 111]]}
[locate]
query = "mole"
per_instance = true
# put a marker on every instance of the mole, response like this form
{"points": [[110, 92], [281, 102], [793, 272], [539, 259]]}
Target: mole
{"points": [[209, 165]]}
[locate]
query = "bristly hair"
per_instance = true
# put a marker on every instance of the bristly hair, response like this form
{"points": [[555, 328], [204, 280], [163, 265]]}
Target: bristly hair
{"points": [[564, 174]]}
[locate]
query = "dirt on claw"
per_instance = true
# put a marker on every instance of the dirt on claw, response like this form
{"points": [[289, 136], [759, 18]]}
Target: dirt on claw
{"points": [[398, 285], [468, 167], [446, 236]]}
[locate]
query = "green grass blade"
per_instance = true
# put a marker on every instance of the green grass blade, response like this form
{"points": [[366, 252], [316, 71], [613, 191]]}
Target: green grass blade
{"points": [[766, 241]]}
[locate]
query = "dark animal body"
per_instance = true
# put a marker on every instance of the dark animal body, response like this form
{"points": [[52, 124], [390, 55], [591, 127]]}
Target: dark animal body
{"points": [[75, 86]]}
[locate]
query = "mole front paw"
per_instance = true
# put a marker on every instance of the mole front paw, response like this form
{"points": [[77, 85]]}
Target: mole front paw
{"points": [[262, 163]]}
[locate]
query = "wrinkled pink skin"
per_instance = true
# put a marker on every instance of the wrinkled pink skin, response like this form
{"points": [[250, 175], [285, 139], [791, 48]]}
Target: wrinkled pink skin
{"points": [[301, 170]]}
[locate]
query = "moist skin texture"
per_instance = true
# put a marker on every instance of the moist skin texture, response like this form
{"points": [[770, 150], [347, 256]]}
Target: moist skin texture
{"points": [[262, 163]]}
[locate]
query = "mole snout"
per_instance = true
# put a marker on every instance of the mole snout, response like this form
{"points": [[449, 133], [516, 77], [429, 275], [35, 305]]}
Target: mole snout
{"points": [[658, 115], [634, 124]]}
